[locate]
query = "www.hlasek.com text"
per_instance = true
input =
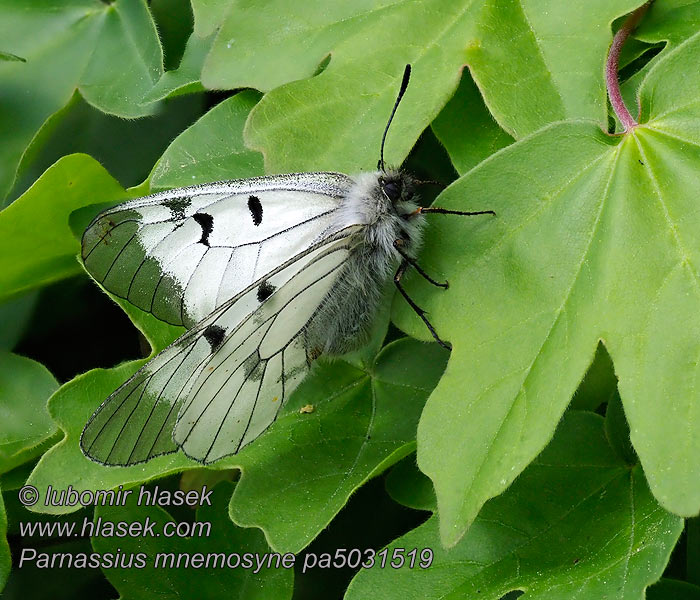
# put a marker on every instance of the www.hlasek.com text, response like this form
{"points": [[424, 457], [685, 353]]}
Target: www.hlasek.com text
{"points": [[104, 528]]}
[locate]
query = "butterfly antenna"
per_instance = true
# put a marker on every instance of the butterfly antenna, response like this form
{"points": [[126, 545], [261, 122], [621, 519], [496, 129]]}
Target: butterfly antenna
{"points": [[404, 85]]}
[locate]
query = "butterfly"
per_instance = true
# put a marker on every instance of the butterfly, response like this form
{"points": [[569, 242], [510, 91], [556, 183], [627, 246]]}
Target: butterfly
{"points": [[267, 274]]}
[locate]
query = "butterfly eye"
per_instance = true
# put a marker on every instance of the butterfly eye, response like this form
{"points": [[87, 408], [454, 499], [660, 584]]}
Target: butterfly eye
{"points": [[392, 189]]}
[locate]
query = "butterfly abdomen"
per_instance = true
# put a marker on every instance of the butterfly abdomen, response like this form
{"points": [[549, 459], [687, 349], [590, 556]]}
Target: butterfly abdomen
{"points": [[344, 318]]}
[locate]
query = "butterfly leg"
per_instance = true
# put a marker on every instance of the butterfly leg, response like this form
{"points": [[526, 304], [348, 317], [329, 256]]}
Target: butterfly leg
{"points": [[398, 244], [417, 309], [446, 211]]}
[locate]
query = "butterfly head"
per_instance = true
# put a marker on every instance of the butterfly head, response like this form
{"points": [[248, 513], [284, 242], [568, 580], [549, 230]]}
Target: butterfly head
{"points": [[399, 190]]}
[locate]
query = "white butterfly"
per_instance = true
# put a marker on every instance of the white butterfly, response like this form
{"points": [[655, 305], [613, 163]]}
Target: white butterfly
{"points": [[268, 274]]}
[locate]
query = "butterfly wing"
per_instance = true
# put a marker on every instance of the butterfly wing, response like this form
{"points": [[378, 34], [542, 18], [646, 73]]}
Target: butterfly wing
{"points": [[181, 254], [221, 384]]}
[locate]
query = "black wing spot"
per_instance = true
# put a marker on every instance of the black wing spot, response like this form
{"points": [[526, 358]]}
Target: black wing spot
{"points": [[206, 222], [265, 290], [214, 334], [178, 206], [255, 208]]}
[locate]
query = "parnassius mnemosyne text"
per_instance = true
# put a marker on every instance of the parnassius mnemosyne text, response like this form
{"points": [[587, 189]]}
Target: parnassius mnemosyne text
{"points": [[267, 274]]}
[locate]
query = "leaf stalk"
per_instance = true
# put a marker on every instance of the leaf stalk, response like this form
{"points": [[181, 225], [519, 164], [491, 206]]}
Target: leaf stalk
{"points": [[612, 63]]}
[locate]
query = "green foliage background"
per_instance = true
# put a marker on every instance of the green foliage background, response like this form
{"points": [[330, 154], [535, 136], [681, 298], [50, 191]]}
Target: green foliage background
{"points": [[554, 452]]}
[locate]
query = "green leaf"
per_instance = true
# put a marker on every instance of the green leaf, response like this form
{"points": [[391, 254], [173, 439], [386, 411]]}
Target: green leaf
{"points": [[509, 46], [15, 315], [184, 79], [127, 34], [157, 333], [505, 43], [362, 422], [611, 538], [127, 148], [16, 478], [25, 387], [195, 479], [595, 238], [110, 51], [671, 21], [174, 583], [633, 50], [174, 21], [466, 128], [667, 22], [5, 560], [208, 15], [408, 486], [212, 149], [37, 246]]}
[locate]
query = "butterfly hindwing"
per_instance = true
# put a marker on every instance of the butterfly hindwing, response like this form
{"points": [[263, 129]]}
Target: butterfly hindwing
{"points": [[221, 384], [181, 254], [238, 394]]}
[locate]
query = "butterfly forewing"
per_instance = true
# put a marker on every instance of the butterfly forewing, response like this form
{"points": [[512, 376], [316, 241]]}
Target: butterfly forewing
{"points": [[222, 383], [181, 254]]}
